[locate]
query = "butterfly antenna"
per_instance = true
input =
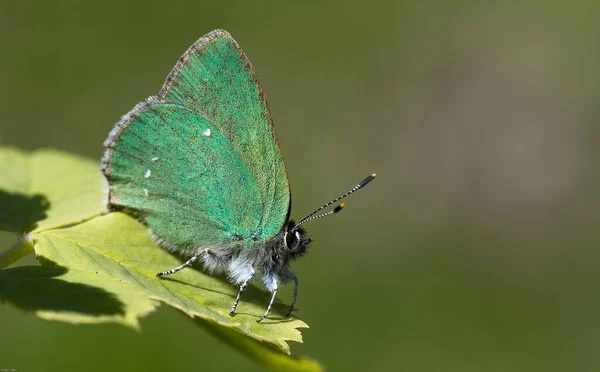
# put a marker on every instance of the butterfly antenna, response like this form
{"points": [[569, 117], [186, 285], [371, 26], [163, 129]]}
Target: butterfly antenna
{"points": [[312, 216]]}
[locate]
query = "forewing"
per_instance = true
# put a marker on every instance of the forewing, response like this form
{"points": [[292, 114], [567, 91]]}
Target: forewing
{"points": [[215, 78], [182, 176]]}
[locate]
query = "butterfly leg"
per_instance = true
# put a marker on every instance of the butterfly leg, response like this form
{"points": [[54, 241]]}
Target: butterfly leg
{"points": [[293, 276], [275, 286], [184, 265], [239, 295]]}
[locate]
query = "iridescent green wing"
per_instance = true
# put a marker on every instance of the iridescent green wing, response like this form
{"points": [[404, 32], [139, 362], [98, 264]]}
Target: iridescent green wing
{"points": [[176, 170], [215, 78]]}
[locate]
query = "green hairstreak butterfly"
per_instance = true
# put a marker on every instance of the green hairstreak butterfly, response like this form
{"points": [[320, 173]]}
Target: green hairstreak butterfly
{"points": [[201, 165]]}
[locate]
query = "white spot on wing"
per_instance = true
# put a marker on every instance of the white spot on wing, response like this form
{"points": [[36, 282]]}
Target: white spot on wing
{"points": [[148, 174], [155, 158], [206, 133]]}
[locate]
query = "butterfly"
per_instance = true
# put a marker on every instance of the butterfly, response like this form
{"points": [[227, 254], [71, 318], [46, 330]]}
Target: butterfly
{"points": [[201, 165]]}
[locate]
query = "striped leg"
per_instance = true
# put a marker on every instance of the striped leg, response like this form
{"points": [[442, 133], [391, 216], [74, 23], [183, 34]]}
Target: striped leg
{"points": [[239, 295], [184, 265], [275, 286], [293, 276]]}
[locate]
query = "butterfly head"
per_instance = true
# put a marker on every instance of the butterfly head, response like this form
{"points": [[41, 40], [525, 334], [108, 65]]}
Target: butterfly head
{"points": [[294, 240]]}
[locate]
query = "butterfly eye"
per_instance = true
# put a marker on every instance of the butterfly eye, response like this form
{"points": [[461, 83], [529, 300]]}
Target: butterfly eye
{"points": [[290, 239]]}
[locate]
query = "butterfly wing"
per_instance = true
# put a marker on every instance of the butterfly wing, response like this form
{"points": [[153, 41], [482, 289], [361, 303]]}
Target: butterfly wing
{"points": [[215, 78], [173, 167]]}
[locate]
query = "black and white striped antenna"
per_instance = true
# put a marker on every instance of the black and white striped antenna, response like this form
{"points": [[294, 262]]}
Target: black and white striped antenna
{"points": [[338, 208]]}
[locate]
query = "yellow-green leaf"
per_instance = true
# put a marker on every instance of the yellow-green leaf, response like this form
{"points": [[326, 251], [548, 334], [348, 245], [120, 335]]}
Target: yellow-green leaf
{"points": [[100, 267], [73, 296], [47, 189], [118, 246]]}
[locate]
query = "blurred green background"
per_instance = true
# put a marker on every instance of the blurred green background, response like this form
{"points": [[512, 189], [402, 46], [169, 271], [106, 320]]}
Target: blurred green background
{"points": [[474, 250]]}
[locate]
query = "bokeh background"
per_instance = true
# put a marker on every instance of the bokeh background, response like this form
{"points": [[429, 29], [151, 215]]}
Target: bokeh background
{"points": [[476, 249]]}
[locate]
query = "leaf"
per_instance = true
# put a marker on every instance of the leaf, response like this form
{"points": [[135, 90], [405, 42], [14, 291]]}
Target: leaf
{"points": [[118, 246], [264, 354], [48, 189], [55, 293], [100, 268]]}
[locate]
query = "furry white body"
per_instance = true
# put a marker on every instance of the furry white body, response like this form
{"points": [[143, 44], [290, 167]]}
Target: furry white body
{"points": [[270, 261]]}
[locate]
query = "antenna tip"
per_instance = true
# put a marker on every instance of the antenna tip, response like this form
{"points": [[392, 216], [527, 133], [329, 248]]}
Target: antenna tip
{"points": [[373, 175], [339, 207]]}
